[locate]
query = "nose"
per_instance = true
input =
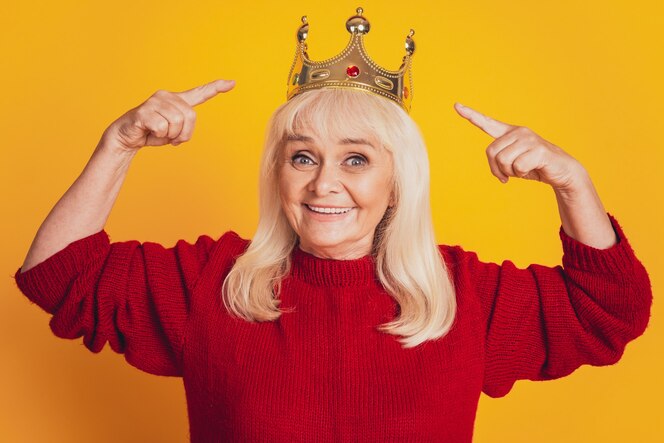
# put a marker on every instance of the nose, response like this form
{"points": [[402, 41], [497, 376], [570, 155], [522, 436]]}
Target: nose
{"points": [[326, 180]]}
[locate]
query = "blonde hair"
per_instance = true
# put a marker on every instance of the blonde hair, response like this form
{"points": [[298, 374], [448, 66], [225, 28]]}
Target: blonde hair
{"points": [[409, 264]]}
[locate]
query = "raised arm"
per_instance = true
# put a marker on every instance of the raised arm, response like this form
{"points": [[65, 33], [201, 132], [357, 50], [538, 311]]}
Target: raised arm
{"points": [[166, 117], [544, 322], [135, 296], [517, 151]]}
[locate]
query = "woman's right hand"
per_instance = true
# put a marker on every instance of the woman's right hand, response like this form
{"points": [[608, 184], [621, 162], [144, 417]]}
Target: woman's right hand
{"points": [[165, 117]]}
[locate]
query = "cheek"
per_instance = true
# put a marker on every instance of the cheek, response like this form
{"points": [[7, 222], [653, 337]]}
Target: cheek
{"points": [[373, 191], [290, 186], [284, 192], [284, 182]]}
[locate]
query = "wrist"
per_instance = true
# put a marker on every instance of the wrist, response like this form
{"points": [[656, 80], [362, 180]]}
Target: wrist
{"points": [[114, 149], [579, 185], [110, 156]]}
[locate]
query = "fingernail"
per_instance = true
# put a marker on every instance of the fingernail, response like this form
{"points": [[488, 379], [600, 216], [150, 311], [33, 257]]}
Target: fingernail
{"points": [[460, 104], [504, 180]]}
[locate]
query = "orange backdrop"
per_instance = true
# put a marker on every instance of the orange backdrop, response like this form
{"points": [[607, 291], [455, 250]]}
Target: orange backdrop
{"points": [[587, 76]]}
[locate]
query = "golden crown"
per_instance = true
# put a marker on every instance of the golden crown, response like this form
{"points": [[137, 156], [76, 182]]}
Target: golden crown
{"points": [[352, 68]]}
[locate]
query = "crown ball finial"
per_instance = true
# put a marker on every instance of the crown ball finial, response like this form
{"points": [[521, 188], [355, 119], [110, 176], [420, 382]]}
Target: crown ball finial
{"points": [[303, 30], [358, 24], [410, 43]]}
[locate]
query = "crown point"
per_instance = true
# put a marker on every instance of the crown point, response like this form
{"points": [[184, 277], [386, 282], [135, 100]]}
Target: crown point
{"points": [[359, 11], [411, 33], [304, 19]]}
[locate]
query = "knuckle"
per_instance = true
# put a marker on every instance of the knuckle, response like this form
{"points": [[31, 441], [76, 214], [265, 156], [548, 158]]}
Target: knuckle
{"points": [[177, 119], [502, 160], [139, 114], [527, 131], [153, 101], [520, 130], [161, 126], [518, 168], [182, 137]]}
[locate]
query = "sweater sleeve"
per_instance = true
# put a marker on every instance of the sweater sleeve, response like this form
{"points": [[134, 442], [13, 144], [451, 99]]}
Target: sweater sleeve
{"points": [[542, 322], [133, 295]]}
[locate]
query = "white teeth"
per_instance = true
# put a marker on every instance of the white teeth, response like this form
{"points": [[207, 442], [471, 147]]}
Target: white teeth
{"points": [[329, 210]]}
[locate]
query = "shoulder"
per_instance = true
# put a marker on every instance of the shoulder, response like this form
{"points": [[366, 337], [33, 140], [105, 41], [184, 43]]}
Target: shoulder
{"points": [[233, 238], [203, 249], [207, 250], [456, 256], [229, 245], [221, 254], [458, 261], [227, 248], [466, 266]]}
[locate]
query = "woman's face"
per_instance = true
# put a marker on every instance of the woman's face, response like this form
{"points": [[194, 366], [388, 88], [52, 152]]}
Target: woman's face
{"points": [[335, 192]]}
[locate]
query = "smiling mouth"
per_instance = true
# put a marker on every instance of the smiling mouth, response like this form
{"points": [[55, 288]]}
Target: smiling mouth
{"points": [[328, 211]]}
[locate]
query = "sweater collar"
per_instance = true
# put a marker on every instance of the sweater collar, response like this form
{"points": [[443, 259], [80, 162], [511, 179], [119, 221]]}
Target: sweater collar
{"points": [[329, 272]]}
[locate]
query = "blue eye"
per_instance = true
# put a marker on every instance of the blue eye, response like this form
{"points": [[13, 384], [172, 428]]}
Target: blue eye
{"points": [[300, 156], [357, 160], [301, 160]]}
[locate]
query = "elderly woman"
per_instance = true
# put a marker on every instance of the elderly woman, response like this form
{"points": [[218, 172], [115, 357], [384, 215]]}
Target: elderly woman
{"points": [[341, 319]]}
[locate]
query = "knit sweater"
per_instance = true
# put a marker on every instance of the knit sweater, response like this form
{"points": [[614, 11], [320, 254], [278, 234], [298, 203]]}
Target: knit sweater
{"points": [[323, 372]]}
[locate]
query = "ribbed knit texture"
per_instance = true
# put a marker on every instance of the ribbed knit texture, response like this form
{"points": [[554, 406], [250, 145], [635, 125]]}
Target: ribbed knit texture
{"points": [[324, 373]]}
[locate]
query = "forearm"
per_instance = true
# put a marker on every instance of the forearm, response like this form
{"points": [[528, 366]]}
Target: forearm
{"points": [[85, 207], [583, 215]]}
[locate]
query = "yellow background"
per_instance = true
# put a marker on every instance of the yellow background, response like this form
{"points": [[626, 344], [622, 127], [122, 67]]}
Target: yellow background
{"points": [[585, 75]]}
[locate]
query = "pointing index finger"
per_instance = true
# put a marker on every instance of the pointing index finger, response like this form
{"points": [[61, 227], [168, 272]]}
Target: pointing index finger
{"points": [[489, 125], [203, 93]]}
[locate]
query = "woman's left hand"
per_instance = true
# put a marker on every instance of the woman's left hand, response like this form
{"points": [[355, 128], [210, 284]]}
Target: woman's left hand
{"points": [[517, 151]]}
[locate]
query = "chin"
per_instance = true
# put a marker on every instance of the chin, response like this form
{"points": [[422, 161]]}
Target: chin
{"points": [[323, 242]]}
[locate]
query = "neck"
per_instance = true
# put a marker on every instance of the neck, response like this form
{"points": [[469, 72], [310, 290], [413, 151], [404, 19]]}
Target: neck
{"points": [[338, 252]]}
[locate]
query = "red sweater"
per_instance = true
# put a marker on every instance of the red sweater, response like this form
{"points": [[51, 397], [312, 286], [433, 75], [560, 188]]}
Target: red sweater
{"points": [[324, 373]]}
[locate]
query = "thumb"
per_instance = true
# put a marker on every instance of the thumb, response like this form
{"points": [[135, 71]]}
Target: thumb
{"points": [[200, 94]]}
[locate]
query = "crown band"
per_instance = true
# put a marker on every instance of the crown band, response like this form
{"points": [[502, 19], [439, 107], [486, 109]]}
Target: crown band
{"points": [[352, 67]]}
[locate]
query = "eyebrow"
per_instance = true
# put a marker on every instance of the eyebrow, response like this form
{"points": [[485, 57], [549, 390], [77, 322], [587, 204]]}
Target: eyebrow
{"points": [[344, 141]]}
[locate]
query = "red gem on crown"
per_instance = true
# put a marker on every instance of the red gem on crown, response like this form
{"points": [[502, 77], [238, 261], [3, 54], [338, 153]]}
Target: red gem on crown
{"points": [[353, 71]]}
